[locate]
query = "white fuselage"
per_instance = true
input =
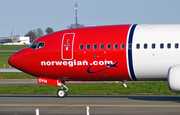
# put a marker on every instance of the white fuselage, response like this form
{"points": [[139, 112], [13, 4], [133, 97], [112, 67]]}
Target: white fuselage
{"points": [[162, 52]]}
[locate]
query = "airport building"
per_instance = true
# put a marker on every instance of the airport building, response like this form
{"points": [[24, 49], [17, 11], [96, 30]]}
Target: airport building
{"points": [[19, 41]]}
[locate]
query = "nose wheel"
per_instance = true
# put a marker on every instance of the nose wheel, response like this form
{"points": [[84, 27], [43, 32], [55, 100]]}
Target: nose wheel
{"points": [[63, 91]]}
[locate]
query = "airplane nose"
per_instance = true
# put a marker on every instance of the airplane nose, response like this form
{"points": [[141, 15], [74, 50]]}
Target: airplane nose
{"points": [[15, 60]]}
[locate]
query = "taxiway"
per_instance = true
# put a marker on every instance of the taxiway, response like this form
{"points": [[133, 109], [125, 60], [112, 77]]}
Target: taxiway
{"points": [[99, 105]]}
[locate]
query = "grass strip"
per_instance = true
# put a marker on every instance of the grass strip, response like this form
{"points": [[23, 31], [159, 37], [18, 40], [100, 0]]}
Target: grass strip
{"points": [[12, 47], [134, 88], [16, 76], [6, 53], [4, 56]]}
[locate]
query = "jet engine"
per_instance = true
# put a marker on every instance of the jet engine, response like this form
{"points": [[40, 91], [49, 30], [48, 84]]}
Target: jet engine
{"points": [[173, 78]]}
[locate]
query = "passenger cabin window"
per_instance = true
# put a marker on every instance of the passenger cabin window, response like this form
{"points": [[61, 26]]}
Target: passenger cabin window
{"points": [[161, 45], [137, 46], [95, 46], [145, 46], [102, 46], [36, 45], [115, 46], [176, 45], [108, 46], [122, 46], [88, 46], [153, 46], [81, 46], [168, 45]]}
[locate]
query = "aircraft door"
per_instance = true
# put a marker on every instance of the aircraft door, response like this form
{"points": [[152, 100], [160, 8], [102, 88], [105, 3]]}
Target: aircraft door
{"points": [[67, 46]]}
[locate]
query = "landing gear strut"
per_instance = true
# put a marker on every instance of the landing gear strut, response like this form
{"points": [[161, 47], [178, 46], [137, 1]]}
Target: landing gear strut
{"points": [[63, 91]]}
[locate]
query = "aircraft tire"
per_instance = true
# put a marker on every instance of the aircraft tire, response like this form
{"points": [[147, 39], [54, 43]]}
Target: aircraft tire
{"points": [[62, 93]]}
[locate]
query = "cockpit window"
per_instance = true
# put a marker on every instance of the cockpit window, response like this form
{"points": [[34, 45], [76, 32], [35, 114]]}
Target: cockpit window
{"points": [[40, 45], [36, 45]]}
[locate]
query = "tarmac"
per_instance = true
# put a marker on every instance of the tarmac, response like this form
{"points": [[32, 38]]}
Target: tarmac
{"points": [[16, 104], [9, 50], [10, 70]]}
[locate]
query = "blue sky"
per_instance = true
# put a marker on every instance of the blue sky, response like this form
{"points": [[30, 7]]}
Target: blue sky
{"points": [[26, 15]]}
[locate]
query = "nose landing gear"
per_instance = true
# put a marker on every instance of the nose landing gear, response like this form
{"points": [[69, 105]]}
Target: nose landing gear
{"points": [[63, 91]]}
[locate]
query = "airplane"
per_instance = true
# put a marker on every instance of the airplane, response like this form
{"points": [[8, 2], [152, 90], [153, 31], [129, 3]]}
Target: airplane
{"points": [[131, 52], [6, 39]]}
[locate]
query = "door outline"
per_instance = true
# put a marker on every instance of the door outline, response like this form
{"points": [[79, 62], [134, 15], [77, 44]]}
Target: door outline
{"points": [[63, 45]]}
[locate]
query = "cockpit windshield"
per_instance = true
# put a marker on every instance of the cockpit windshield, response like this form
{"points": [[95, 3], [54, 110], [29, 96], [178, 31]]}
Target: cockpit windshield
{"points": [[36, 45]]}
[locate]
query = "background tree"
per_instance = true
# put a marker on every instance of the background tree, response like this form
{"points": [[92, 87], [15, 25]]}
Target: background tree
{"points": [[32, 35], [39, 32], [49, 30]]}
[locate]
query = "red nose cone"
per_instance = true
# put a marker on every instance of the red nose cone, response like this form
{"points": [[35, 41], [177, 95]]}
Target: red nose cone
{"points": [[15, 60]]}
